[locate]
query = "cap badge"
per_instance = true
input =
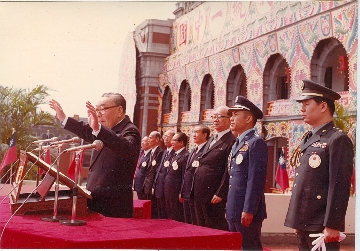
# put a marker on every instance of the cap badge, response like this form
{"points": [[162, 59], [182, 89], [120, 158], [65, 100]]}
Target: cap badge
{"points": [[302, 86], [314, 160]]}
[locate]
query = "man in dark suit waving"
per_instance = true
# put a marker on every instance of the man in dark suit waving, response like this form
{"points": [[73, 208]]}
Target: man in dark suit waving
{"points": [[112, 168], [209, 192], [245, 207]]}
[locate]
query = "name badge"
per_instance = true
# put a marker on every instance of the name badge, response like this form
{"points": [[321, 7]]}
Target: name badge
{"points": [[175, 165], [239, 159], [143, 164], [195, 163], [153, 163], [167, 163]]}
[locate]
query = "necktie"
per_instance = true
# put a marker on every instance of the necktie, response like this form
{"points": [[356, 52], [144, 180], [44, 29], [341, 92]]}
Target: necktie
{"points": [[237, 142], [194, 153], [214, 140]]}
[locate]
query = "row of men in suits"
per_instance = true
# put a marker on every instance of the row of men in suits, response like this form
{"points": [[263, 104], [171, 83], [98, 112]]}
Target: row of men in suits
{"points": [[194, 187]]}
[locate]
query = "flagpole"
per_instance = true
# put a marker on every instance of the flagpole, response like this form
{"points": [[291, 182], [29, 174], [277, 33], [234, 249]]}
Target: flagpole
{"points": [[11, 167]]}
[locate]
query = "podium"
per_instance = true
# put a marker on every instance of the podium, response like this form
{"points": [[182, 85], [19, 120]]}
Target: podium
{"points": [[41, 201]]}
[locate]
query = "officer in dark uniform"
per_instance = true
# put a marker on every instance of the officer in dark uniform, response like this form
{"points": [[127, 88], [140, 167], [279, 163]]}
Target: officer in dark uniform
{"points": [[245, 207], [321, 188]]}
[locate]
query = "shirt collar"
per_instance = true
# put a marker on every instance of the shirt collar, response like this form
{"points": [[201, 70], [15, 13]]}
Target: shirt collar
{"points": [[220, 134]]}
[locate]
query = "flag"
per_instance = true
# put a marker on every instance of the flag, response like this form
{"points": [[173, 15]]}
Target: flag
{"points": [[281, 174], [10, 155], [71, 170]]}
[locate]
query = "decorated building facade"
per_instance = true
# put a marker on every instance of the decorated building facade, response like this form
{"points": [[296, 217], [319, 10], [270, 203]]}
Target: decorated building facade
{"points": [[261, 50]]}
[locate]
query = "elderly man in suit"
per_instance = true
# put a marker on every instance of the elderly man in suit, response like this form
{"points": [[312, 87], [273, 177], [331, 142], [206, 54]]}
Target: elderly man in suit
{"points": [[245, 207], [209, 191], [158, 187], [321, 187], [112, 168], [142, 167], [201, 136], [153, 165], [174, 175]]}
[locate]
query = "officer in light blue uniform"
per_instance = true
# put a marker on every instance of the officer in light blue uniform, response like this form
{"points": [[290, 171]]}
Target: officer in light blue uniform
{"points": [[245, 208]]}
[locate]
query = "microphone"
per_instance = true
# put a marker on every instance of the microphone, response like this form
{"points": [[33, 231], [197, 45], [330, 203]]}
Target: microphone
{"points": [[97, 144], [45, 140], [72, 140]]}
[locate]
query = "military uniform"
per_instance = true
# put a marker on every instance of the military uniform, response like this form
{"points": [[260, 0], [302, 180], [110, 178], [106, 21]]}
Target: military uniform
{"points": [[321, 187], [247, 170]]}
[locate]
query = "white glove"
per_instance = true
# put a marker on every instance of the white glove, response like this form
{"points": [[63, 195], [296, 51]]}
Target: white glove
{"points": [[319, 243]]}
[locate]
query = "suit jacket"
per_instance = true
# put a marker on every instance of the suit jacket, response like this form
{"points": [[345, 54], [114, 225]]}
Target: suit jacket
{"points": [[187, 187], [142, 168], [175, 173], [153, 164], [112, 168], [161, 173], [321, 187], [247, 170], [212, 167]]}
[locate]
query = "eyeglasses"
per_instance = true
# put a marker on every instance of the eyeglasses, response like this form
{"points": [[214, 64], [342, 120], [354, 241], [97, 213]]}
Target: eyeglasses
{"points": [[214, 117], [103, 109]]}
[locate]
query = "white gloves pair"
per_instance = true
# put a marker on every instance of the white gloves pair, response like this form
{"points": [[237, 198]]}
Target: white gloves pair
{"points": [[319, 243]]}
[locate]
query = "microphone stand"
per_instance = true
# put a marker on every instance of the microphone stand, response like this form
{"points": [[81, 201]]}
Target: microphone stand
{"points": [[74, 222], [56, 218], [37, 172]]}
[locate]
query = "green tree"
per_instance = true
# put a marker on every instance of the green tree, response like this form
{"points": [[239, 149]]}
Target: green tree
{"points": [[20, 110]]}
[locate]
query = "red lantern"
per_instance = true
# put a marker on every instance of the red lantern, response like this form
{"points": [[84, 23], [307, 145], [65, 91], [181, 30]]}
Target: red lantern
{"points": [[343, 62]]}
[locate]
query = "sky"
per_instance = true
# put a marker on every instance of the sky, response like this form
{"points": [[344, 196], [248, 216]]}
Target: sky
{"points": [[73, 48]]}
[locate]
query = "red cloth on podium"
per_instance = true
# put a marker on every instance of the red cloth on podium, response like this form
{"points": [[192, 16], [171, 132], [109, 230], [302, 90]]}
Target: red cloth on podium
{"points": [[142, 209], [101, 232]]}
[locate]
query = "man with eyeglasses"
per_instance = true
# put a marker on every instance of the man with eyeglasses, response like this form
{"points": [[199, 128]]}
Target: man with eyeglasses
{"points": [[112, 168], [209, 191]]}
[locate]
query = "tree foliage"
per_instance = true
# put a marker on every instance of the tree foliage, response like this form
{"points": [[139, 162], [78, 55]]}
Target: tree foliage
{"points": [[20, 110], [345, 122]]}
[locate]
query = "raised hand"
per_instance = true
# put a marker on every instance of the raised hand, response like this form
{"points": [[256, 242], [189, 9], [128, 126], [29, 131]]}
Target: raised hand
{"points": [[58, 109], [93, 119]]}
